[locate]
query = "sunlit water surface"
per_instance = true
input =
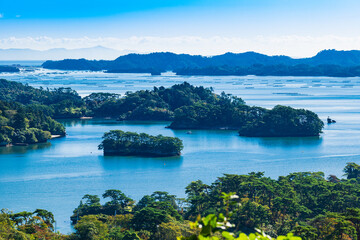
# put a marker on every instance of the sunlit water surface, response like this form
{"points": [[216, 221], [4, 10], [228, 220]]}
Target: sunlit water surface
{"points": [[57, 174]]}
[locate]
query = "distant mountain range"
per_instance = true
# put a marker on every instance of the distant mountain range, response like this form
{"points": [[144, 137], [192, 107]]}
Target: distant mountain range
{"points": [[325, 63], [98, 52]]}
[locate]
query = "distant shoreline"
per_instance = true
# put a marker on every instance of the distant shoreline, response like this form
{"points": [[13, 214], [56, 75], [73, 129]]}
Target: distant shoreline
{"points": [[330, 63]]}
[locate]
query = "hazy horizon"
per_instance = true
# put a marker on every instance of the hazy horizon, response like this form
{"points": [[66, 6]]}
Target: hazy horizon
{"points": [[98, 53], [273, 27]]}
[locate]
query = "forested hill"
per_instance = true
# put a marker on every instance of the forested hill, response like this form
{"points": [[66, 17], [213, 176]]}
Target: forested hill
{"points": [[165, 61]]}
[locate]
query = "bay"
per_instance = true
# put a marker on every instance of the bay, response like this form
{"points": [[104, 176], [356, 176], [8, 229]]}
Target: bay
{"points": [[57, 174]]}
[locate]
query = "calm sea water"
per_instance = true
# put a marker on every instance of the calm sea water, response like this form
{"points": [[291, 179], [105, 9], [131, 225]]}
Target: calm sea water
{"points": [[57, 174]]}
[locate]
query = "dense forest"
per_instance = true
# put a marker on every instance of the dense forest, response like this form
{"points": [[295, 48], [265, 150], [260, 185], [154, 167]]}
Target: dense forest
{"points": [[117, 142], [23, 125], [26, 113], [56, 103], [325, 63], [305, 204], [282, 121], [190, 107], [187, 106]]}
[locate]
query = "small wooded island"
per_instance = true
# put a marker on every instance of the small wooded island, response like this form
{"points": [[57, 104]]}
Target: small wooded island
{"points": [[120, 143], [282, 121]]}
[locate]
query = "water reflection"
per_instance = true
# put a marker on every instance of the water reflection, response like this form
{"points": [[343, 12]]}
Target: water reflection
{"points": [[112, 163], [24, 149], [74, 122], [102, 121], [290, 141]]}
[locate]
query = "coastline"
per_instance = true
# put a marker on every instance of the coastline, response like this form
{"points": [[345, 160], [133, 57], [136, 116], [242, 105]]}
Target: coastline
{"points": [[140, 154], [27, 144], [57, 136]]}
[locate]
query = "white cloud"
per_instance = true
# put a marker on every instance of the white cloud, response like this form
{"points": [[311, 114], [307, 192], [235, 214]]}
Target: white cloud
{"points": [[292, 45], [1, 15]]}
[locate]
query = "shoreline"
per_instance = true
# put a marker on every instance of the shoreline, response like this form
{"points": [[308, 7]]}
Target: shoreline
{"points": [[139, 154], [57, 136], [27, 144]]}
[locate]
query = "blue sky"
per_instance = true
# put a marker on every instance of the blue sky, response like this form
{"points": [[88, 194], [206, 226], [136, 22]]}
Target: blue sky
{"points": [[294, 27]]}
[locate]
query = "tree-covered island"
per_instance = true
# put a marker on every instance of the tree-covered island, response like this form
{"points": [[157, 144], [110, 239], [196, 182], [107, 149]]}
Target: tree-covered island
{"points": [[185, 105], [117, 142], [282, 121], [191, 107]]}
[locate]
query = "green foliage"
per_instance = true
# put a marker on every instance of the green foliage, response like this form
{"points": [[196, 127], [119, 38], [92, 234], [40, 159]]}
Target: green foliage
{"points": [[251, 215], [168, 231], [301, 204], [4, 140], [97, 99], [149, 218], [90, 228], [158, 104], [24, 124], [130, 235], [352, 170], [333, 226], [90, 205], [117, 142], [117, 198], [282, 121], [28, 225], [236, 207], [279, 206], [216, 227], [119, 203], [20, 121], [187, 106], [58, 103]]}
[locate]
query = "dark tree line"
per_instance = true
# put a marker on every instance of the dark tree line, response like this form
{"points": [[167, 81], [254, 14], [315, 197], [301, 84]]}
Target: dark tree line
{"points": [[325, 63]]}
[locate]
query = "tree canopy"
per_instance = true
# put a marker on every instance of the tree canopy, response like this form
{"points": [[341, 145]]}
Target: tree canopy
{"points": [[250, 206], [117, 142]]}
